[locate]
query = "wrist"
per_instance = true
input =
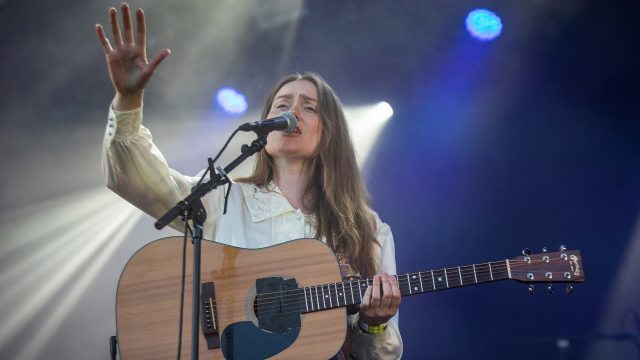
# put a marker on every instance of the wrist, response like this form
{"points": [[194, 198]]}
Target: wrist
{"points": [[127, 102], [372, 329]]}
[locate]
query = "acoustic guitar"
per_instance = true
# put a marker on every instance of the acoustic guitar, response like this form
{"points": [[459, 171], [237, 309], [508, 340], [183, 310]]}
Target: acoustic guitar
{"points": [[282, 302]]}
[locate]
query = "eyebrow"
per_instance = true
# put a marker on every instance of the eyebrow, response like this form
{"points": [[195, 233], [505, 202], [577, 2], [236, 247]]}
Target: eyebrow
{"points": [[290, 96]]}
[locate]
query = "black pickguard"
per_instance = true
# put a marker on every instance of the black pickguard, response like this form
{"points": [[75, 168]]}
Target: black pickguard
{"points": [[243, 340]]}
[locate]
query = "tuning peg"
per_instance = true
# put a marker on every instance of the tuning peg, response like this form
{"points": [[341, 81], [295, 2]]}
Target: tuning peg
{"points": [[531, 289], [544, 249], [526, 252], [563, 248], [550, 288], [569, 289]]}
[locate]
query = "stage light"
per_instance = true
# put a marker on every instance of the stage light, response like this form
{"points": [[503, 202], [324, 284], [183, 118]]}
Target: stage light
{"points": [[231, 101], [70, 261], [383, 110], [365, 124], [483, 24]]}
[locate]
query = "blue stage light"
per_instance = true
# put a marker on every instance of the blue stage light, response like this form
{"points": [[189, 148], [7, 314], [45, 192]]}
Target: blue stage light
{"points": [[231, 101], [483, 24]]}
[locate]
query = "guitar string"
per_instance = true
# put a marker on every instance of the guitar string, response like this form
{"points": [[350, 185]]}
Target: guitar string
{"points": [[297, 305], [403, 284], [320, 301], [453, 276], [295, 296]]}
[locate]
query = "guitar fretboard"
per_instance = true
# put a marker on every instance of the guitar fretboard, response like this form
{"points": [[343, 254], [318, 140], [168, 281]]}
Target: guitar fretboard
{"points": [[329, 296]]}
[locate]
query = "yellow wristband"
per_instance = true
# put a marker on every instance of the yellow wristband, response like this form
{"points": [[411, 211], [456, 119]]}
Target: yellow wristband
{"points": [[371, 329]]}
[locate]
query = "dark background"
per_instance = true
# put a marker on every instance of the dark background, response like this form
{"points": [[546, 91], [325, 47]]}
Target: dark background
{"points": [[526, 141]]}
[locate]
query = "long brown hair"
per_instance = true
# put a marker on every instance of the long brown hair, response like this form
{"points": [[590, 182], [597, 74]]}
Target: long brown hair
{"points": [[335, 193]]}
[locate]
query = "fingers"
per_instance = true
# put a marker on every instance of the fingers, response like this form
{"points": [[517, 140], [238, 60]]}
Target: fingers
{"points": [[142, 29], [375, 292], [115, 28], [106, 46], [395, 298], [381, 300], [126, 21], [128, 26], [157, 59], [366, 299], [385, 300], [383, 295]]}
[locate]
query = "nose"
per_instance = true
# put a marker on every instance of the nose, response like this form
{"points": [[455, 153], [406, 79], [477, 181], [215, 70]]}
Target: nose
{"points": [[296, 109]]}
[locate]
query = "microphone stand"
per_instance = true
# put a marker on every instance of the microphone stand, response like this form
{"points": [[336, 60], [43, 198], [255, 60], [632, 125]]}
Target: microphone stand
{"points": [[192, 209]]}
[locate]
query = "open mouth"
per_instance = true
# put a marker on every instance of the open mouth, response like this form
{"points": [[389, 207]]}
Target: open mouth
{"points": [[297, 130]]}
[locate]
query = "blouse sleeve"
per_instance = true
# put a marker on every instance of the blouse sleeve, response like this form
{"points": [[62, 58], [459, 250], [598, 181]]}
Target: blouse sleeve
{"points": [[388, 344], [135, 169]]}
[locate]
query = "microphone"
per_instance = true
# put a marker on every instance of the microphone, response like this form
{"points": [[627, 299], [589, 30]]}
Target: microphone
{"points": [[286, 123]]}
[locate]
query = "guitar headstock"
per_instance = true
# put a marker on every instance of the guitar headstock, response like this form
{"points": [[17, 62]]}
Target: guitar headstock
{"points": [[564, 266]]}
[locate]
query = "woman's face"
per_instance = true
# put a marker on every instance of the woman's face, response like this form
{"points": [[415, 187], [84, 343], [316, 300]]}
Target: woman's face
{"points": [[299, 97]]}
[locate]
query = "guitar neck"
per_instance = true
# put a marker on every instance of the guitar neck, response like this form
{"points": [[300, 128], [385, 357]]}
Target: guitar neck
{"points": [[329, 296]]}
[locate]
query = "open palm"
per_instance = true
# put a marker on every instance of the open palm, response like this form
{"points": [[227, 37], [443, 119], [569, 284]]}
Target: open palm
{"points": [[129, 68]]}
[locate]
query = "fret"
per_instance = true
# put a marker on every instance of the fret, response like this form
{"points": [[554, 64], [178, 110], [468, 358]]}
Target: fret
{"points": [[433, 280], [344, 295], [360, 290], [460, 274], [452, 278], [364, 286], [474, 273], [305, 299], [324, 304], [441, 279], [508, 268], [446, 278], [329, 296], [335, 286], [467, 275], [501, 270], [420, 278], [311, 298], [483, 273], [353, 300], [409, 284], [490, 271], [317, 300]]}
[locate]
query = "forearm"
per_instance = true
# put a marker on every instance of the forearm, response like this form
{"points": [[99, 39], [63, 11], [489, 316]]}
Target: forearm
{"points": [[135, 169]]}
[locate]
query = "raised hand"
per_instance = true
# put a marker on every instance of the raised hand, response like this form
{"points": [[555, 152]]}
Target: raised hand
{"points": [[129, 68]]}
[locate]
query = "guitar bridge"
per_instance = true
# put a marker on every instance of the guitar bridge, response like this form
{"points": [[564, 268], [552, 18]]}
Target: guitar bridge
{"points": [[208, 318]]}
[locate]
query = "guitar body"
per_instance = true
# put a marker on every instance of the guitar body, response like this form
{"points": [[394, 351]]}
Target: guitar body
{"points": [[148, 301]]}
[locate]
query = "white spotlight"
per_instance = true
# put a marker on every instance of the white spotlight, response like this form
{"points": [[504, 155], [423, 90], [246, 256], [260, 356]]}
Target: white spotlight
{"points": [[383, 110], [365, 124]]}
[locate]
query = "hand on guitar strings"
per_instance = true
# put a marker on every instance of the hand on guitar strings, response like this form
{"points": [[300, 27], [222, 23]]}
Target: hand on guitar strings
{"points": [[381, 300]]}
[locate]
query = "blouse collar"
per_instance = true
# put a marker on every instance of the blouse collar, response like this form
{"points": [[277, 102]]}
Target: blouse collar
{"points": [[265, 202]]}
